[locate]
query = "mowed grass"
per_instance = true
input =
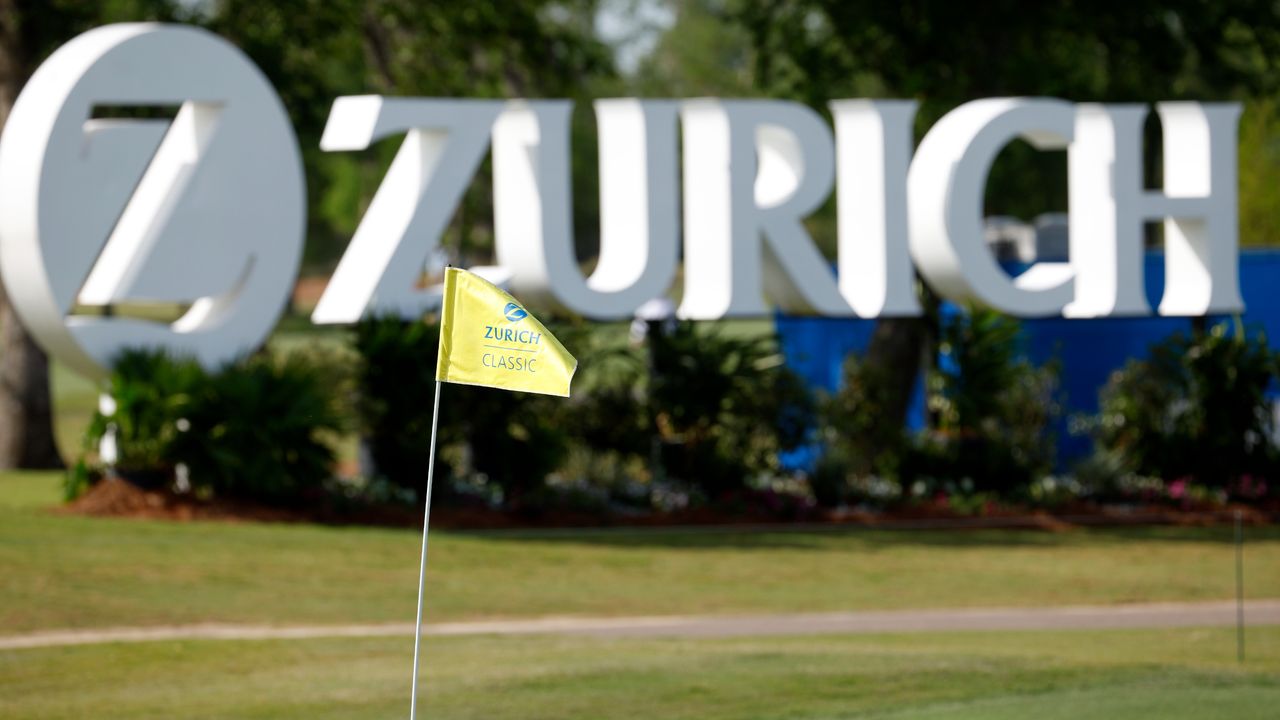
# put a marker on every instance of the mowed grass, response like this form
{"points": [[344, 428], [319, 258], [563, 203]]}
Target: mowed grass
{"points": [[1168, 674], [59, 572], [74, 400], [73, 572]]}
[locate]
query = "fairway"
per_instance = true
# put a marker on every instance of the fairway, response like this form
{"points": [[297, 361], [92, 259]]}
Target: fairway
{"points": [[1171, 674], [65, 572]]}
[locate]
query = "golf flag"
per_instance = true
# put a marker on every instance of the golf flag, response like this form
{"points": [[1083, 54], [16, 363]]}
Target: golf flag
{"points": [[489, 339]]}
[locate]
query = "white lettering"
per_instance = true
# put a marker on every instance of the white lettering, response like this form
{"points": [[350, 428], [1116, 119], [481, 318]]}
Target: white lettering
{"points": [[752, 171], [945, 194], [444, 143], [208, 209], [1109, 206], [639, 210], [873, 153]]}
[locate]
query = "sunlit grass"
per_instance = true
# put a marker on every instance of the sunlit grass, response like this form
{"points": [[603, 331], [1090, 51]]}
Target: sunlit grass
{"points": [[62, 571], [1167, 674]]}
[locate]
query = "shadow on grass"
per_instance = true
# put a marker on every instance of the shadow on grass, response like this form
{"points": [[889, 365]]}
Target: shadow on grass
{"points": [[844, 539]]}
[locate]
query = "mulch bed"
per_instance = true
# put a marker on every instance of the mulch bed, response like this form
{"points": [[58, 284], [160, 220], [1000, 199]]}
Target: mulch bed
{"points": [[113, 497], [119, 498]]}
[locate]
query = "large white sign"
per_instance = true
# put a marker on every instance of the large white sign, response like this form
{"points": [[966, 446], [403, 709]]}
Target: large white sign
{"points": [[208, 208]]}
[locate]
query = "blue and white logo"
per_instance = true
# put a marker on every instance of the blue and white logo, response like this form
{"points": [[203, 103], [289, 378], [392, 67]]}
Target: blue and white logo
{"points": [[514, 312]]}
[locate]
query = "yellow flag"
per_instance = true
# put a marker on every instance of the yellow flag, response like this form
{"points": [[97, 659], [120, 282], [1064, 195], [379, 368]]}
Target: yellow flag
{"points": [[489, 339]]}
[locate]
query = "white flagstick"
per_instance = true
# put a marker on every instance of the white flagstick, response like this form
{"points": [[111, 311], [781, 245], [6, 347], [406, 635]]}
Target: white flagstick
{"points": [[422, 569]]}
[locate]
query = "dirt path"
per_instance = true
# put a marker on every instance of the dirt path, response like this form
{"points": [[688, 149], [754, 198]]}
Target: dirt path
{"points": [[1090, 617]]}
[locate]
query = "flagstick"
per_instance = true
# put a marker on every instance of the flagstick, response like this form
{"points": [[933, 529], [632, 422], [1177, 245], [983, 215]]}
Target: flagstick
{"points": [[422, 568]]}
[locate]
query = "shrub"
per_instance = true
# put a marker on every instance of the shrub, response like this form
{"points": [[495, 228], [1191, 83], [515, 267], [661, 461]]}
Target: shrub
{"points": [[260, 429], [151, 392], [395, 392], [715, 410], [857, 442], [994, 409], [725, 406], [514, 440], [711, 409], [253, 430], [1196, 408]]}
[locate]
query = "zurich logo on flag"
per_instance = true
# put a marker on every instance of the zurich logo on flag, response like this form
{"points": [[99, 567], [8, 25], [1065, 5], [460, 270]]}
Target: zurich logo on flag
{"points": [[514, 312]]}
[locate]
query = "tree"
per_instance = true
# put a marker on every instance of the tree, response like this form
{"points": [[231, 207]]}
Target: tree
{"points": [[703, 53], [1260, 173], [944, 53], [316, 50]]}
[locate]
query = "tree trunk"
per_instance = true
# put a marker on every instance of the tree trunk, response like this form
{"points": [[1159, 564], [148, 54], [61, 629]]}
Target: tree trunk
{"points": [[26, 413], [901, 349], [896, 352]]}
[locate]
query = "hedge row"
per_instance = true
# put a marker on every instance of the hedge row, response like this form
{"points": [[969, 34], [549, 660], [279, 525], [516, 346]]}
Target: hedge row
{"points": [[691, 415]]}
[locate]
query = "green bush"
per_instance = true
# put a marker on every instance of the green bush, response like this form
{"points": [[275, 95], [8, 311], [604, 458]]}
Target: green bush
{"points": [[712, 410], [715, 412], [516, 439], [256, 429], [992, 411], [858, 444], [151, 392], [513, 440], [1196, 408], [395, 392], [730, 404], [261, 429]]}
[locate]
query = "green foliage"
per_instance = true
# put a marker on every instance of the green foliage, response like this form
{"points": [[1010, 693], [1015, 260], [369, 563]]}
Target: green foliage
{"points": [[858, 443], [993, 407], [395, 384], [1259, 172], [260, 429], [1196, 408], [34, 30], [993, 411], [716, 410], [981, 349], [151, 392], [725, 406], [513, 440], [516, 439], [77, 480], [703, 54], [719, 408], [950, 52], [316, 50], [613, 414], [947, 53], [257, 429]]}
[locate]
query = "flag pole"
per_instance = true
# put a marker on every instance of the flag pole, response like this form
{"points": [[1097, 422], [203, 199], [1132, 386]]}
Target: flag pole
{"points": [[422, 567]]}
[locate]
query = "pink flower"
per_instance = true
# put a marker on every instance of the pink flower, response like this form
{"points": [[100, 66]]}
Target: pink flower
{"points": [[1178, 488]]}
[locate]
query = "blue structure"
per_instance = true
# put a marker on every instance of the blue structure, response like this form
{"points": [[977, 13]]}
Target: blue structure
{"points": [[1088, 350]]}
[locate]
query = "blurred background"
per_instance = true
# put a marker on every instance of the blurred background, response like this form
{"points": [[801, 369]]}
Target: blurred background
{"points": [[782, 464]]}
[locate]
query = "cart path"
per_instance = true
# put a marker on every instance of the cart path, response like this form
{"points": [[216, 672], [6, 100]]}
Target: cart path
{"points": [[1080, 617]]}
